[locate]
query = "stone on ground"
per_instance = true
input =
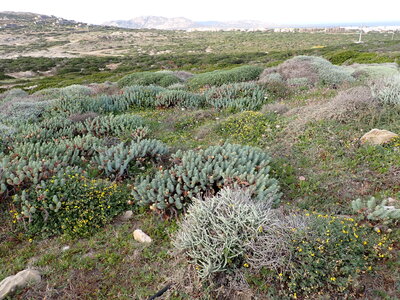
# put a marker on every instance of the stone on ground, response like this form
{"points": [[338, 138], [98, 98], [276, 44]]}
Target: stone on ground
{"points": [[141, 237], [19, 280], [378, 137]]}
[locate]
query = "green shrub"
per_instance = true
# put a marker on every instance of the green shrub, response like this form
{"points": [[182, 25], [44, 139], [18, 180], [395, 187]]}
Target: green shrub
{"points": [[237, 96], [217, 78], [216, 230], [206, 172], [351, 57], [117, 160], [70, 204], [327, 255], [248, 127], [149, 78], [179, 99]]}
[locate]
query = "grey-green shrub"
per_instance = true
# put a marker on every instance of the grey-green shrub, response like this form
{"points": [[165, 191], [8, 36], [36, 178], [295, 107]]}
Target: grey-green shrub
{"points": [[238, 96], [19, 173], [115, 161], [163, 79], [206, 172], [71, 151], [375, 211], [142, 96], [217, 78], [387, 90], [60, 127], [216, 231], [75, 91], [179, 99]]}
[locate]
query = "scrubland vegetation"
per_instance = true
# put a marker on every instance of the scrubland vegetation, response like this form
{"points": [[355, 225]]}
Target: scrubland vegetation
{"points": [[251, 180]]}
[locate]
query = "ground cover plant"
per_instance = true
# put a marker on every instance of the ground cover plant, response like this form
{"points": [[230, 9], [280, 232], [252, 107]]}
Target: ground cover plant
{"points": [[247, 172]]}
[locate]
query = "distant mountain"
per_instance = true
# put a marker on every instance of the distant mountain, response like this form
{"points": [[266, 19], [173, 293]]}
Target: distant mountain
{"points": [[153, 22]]}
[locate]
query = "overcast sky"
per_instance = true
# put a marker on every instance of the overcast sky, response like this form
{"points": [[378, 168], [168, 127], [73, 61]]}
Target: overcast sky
{"points": [[274, 11]]}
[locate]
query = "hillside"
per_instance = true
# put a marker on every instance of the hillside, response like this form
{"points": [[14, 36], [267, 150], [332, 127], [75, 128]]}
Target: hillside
{"points": [[231, 175]]}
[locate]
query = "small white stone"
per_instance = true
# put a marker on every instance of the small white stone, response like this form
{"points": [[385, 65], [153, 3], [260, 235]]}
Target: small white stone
{"points": [[65, 248], [141, 237], [127, 215]]}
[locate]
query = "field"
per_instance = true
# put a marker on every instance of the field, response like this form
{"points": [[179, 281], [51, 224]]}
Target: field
{"points": [[238, 153]]}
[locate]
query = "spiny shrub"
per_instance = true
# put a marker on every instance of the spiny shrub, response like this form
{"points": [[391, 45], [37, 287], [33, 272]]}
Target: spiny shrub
{"points": [[12, 94], [248, 127], [179, 99], [70, 204], [237, 96], [327, 256], [206, 172], [387, 90], [49, 94], [148, 78], [215, 231], [75, 91], [79, 118], [217, 78], [316, 69], [183, 75], [25, 111], [6, 133], [374, 71], [116, 161], [142, 96], [374, 211]]}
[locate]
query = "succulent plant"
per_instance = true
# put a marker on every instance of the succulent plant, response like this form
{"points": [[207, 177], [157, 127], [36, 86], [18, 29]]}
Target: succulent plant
{"points": [[206, 172]]}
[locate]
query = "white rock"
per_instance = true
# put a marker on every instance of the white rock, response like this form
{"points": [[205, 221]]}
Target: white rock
{"points": [[19, 280], [127, 215], [141, 237], [378, 137], [65, 248]]}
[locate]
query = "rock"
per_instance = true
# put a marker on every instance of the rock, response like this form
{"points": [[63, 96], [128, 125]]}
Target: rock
{"points": [[127, 215], [141, 237], [378, 137], [19, 280], [65, 248]]}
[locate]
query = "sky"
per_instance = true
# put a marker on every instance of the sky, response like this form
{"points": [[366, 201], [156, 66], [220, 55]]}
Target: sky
{"points": [[271, 11]]}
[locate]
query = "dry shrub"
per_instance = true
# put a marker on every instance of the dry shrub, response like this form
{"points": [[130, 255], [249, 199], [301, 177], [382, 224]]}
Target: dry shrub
{"points": [[278, 108], [348, 104], [294, 68], [107, 88], [80, 118], [183, 75], [308, 70]]}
